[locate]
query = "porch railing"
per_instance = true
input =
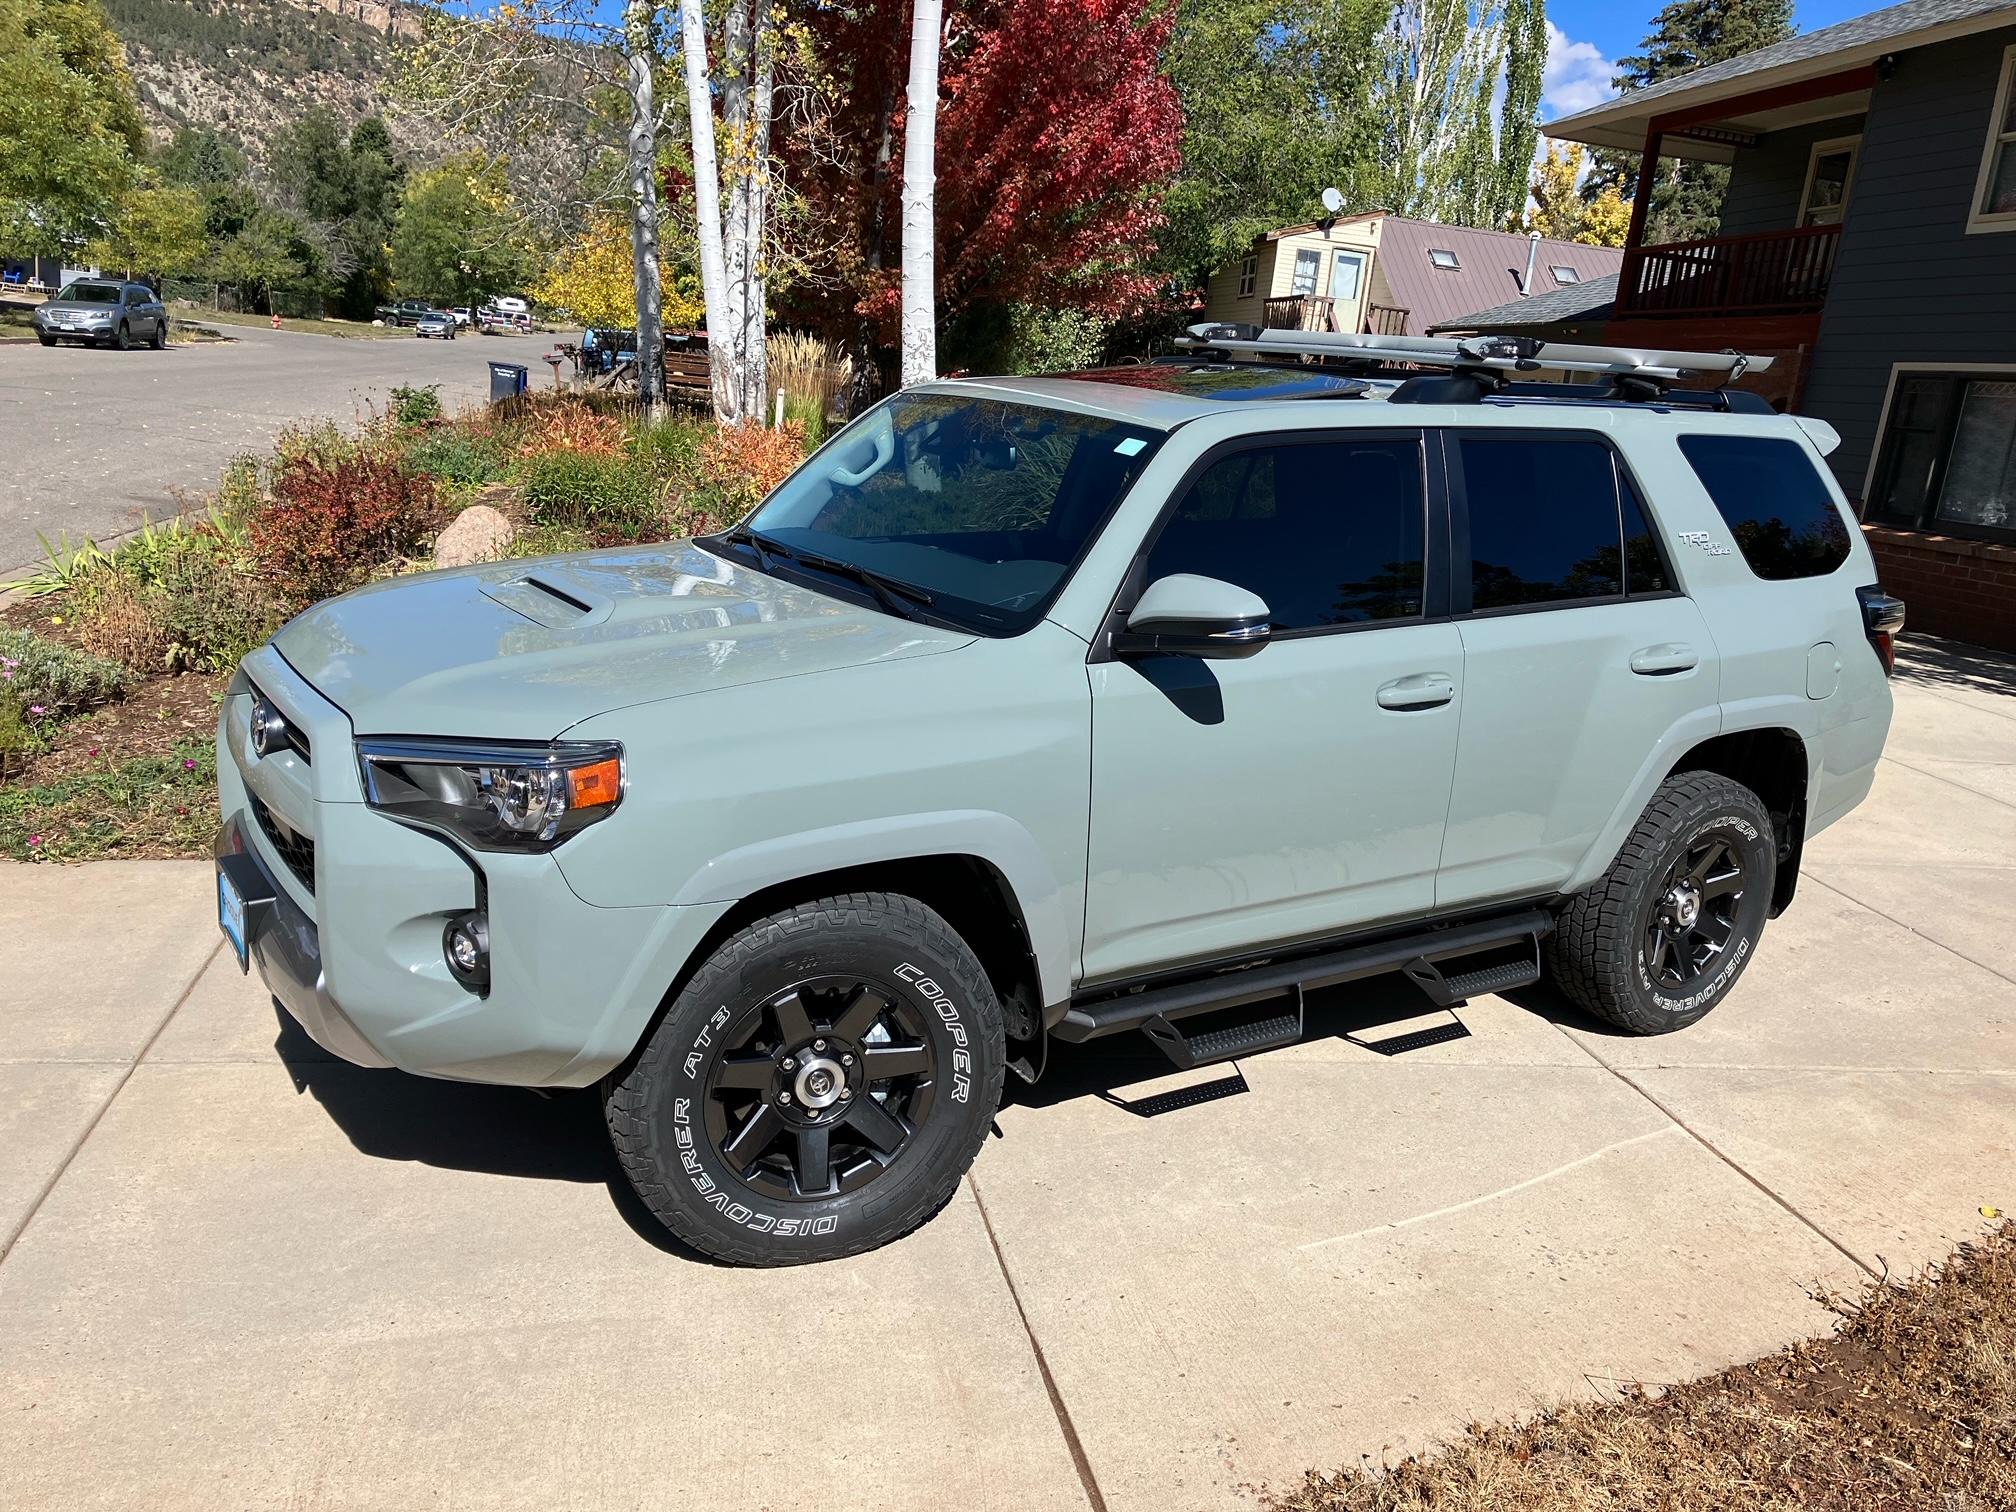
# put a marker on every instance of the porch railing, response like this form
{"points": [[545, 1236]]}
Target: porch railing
{"points": [[1297, 312], [1774, 273], [1386, 320]]}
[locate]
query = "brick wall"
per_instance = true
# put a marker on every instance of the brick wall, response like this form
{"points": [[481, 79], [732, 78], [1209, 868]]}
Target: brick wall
{"points": [[1952, 587]]}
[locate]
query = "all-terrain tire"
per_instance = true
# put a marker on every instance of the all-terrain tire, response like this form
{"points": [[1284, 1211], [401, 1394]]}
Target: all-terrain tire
{"points": [[657, 1106], [1600, 952]]}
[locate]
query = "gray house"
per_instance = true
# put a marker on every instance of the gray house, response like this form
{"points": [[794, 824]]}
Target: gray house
{"points": [[1868, 239]]}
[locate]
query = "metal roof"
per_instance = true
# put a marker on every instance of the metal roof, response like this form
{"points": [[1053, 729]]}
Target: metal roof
{"points": [[1492, 263], [1589, 300], [1856, 41]]}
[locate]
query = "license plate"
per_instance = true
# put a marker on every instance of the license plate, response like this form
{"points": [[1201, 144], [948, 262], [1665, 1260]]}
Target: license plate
{"points": [[231, 918]]}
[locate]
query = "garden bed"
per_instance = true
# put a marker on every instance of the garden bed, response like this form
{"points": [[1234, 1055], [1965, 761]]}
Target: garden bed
{"points": [[113, 664]]}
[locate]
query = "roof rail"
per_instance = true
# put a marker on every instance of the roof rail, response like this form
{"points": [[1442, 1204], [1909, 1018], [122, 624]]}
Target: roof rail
{"points": [[1489, 358]]}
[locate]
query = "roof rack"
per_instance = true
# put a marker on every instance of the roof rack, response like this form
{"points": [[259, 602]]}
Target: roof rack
{"points": [[1489, 361]]}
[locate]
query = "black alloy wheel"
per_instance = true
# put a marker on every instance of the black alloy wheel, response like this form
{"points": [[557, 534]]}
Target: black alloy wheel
{"points": [[1694, 913], [821, 1088]]}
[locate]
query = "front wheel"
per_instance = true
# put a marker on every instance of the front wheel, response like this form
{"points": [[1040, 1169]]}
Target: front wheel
{"points": [[45, 340], [1664, 935], [818, 1087], [123, 340]]}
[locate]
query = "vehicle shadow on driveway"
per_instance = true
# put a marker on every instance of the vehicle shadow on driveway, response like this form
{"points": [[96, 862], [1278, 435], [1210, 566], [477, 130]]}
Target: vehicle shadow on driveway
{"points": [[467, 1126]]}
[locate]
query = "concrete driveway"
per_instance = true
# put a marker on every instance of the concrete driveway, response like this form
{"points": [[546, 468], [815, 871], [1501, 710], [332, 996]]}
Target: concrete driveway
{"points": [[97, 440], [237, 1274]]}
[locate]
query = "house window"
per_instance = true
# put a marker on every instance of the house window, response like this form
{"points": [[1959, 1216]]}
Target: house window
{"points": [[1445, 259], [1947, 460], [1308, 263], [1830, 174], [1564, 274], [1995, 187], [1249, 276]]}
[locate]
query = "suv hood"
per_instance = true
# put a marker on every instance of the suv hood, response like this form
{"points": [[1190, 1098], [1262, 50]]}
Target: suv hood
{"points": [[521, 650]]}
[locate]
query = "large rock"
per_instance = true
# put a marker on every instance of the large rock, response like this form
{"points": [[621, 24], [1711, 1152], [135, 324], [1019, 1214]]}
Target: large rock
{"points": [[478, 534]]}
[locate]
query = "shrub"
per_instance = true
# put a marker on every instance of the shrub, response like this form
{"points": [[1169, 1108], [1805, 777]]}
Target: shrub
{"points": [[416, 405], [740, 464], [119, 617], [322, 442], [569, 425], [330, 523], [455, 456], [670, 448], [611, 498], [60, 681], [811, 375], [213, 612]]}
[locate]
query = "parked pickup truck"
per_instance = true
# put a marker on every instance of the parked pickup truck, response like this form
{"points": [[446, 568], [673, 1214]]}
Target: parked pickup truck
{"points": [[1030, 711], [406, 312]]}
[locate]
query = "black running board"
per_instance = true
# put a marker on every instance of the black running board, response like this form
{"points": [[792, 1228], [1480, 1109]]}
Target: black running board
{"points": [[1095, 1017], [1270, 1027]]}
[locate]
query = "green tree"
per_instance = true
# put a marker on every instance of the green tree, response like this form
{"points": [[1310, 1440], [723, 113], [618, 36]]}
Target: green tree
{"points": [[1686, 35], [199, 157], [69, 124], [457, 239], [349, 190], [269, 250], [157, 231]]}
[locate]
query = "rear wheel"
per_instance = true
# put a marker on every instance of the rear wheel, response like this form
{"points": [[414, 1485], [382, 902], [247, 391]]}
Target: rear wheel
{"points": [[1664, 935], [159, 340], [818, 1087]]}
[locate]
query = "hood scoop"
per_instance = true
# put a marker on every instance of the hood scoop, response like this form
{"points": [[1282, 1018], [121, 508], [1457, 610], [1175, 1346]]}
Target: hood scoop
{"points": [[549, 603]]}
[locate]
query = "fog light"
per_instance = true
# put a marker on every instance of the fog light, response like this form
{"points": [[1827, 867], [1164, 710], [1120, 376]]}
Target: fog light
{"points": [[466, 945]]}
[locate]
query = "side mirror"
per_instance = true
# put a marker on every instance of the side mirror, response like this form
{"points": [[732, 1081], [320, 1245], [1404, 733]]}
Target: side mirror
{"points": [[1187, 615]]}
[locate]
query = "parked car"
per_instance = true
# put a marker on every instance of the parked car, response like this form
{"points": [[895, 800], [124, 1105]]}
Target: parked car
{"points": [[435, 323], [464, 317], [1036, 710], [511, 304], [406, 312], [103, 312]]}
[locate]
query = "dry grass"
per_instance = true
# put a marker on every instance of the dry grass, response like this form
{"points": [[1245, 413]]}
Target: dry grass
{"points": [[808, 370], [1910, 1406]]}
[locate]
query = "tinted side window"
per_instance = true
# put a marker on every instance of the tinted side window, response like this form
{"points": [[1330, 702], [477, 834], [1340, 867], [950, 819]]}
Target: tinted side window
{"points": [[1328, 533], [1644, 568], [1543, 520], [1770, 496]]}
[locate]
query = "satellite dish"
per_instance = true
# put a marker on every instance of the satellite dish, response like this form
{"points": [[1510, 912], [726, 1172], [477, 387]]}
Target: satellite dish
{"points": [[1333, 201]]}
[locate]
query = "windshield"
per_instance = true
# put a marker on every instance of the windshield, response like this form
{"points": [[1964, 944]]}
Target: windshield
{"points": [[83, 293], [981, 505]]}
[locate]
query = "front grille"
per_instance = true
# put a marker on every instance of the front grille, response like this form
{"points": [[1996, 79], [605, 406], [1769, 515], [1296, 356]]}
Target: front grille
{"points": [[297, 850]]}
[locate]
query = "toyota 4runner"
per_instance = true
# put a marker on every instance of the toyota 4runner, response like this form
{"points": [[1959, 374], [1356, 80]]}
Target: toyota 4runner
{"points": [[1034, 710]]}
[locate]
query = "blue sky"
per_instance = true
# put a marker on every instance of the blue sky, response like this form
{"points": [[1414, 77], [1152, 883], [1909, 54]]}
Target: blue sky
{"points": [[1587, 35]]}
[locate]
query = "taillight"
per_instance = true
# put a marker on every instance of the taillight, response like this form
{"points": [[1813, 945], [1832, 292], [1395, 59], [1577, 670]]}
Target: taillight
{"points": [[1882, 618]]}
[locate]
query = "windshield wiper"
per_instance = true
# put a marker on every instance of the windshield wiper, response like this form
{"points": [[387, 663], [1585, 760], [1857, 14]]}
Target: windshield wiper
{"points": [[742, 535], [893, 594]]}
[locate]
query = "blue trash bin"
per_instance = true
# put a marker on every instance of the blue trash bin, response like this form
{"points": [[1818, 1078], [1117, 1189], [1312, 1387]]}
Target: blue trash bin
{"points": [[507, 380]]}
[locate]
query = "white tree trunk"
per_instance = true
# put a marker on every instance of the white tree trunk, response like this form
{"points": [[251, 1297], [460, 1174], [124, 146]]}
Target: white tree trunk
{"points": [[756, 350], [735, 184], [640, 46], [920, 176], [707, 202]]}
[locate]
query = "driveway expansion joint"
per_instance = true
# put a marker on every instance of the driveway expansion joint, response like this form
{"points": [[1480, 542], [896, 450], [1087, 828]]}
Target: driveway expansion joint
{"points": [[1916, 932], [112, 1096], [1080, 1462], [1709, 1145]]}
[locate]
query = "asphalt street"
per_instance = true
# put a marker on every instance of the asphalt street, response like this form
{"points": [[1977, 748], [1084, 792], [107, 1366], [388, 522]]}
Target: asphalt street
{"points": [[96, 440]]}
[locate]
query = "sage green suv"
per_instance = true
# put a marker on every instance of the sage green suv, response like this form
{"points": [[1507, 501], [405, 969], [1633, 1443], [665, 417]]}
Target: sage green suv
{"points": [[1041, 710]]}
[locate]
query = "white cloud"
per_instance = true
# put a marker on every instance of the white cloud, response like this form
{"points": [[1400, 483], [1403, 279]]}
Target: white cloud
{"points": [[1577, 75]]}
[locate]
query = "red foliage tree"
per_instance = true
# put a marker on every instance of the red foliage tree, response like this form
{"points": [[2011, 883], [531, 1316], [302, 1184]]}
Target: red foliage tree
{"points": [[1056, 134]]}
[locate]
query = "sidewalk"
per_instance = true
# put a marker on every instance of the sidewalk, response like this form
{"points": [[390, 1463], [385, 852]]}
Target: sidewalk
{"points": [[234, 1273]]}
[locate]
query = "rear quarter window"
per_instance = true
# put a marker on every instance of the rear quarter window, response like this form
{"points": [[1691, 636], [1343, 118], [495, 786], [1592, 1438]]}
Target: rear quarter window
{"points": [[1770, 494]]}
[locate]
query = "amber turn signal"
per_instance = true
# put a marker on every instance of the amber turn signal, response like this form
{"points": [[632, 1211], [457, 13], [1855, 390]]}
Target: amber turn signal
{"points": [[595, 786]]}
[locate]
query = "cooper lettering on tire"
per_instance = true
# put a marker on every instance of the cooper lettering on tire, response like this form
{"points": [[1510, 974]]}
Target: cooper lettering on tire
{"points": [[1664, 935], [818, 1087]]}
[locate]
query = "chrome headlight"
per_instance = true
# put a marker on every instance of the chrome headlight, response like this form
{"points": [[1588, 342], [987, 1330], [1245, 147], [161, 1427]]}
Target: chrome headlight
{"points": [[495, 795]]}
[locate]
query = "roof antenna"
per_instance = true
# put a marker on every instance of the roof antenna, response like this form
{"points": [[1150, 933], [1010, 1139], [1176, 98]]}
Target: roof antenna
{"points": [[1333, 206]]}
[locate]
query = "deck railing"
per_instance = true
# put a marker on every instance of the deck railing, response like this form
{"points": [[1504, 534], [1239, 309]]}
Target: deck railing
{"points": [[1297, 312], [1386, 320], [1774, 273]]}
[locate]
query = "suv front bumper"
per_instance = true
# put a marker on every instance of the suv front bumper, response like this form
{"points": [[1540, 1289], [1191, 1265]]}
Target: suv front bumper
{"points": [[345, 910]]}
